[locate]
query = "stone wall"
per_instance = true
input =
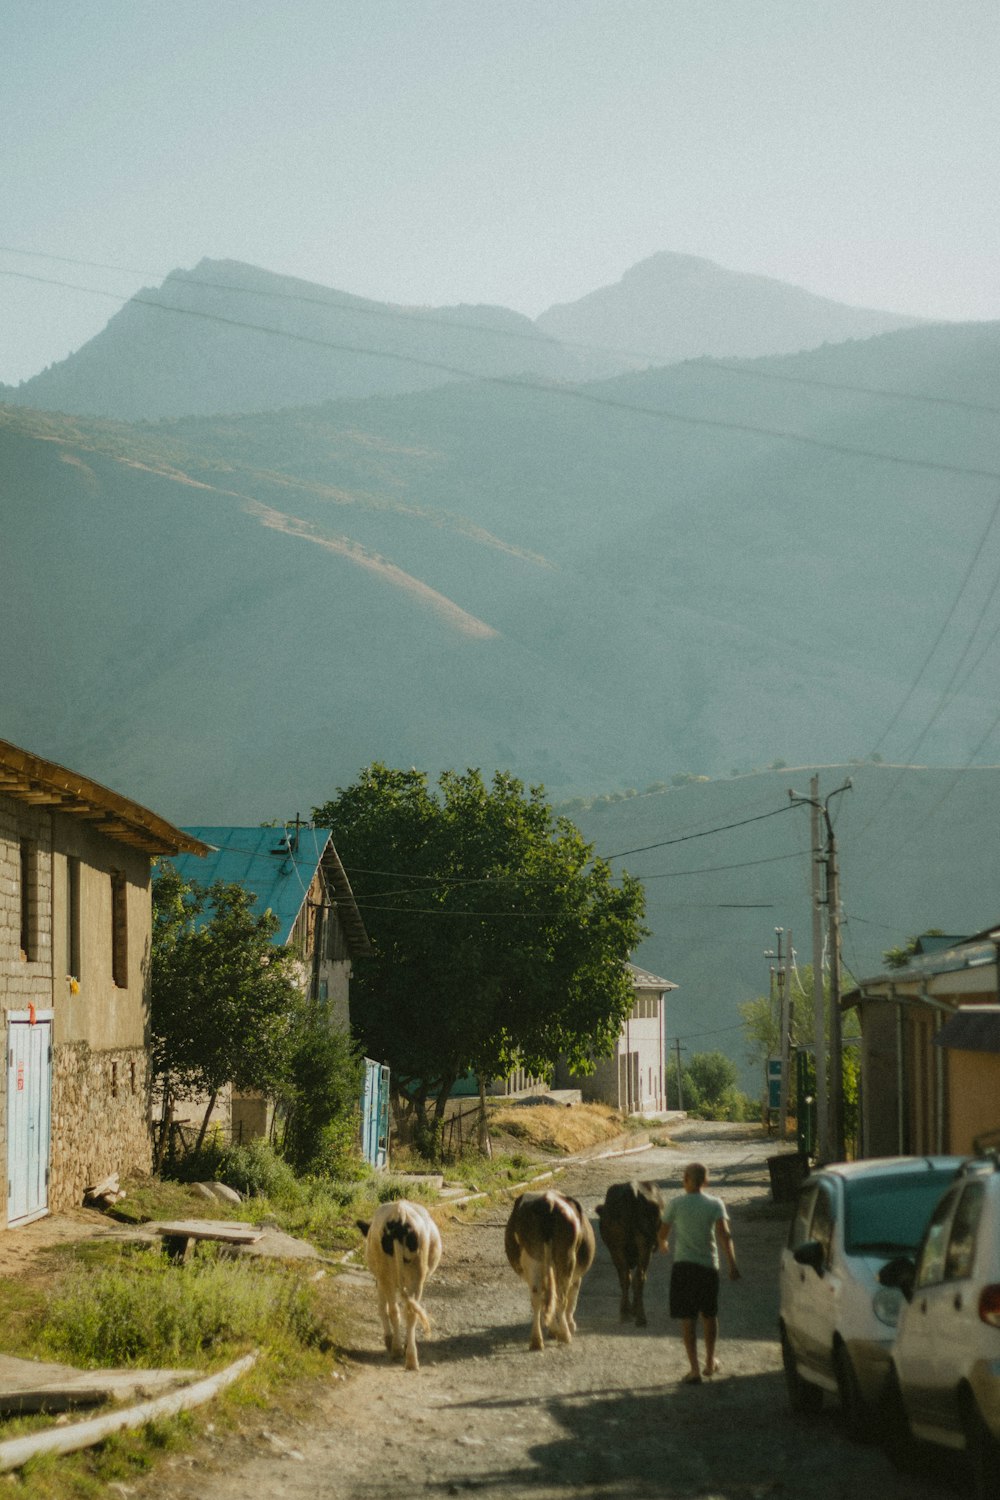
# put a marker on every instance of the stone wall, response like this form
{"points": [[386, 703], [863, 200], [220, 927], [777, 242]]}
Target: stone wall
{"points": [[100, 1119]]}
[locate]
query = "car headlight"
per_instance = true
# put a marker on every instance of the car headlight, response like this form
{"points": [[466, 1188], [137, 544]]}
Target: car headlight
{"points": [[886, 1304]]}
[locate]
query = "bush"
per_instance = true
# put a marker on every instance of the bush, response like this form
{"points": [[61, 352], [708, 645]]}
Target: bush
{"points": [[256, 1170]]}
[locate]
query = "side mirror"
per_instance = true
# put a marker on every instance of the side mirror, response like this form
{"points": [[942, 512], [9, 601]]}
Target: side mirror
{"points": [[810, 1253], [901, 1273]]}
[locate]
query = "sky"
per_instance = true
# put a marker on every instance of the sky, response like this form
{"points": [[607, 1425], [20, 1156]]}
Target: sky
{"points": [[519, 152]]}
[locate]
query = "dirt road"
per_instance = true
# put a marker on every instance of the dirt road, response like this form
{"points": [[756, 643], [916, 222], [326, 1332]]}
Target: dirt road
{"points": [[602, 1418]]}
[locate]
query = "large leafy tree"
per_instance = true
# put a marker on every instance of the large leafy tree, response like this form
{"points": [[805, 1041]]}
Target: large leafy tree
{"points": [[224, 994], [498, 938]]}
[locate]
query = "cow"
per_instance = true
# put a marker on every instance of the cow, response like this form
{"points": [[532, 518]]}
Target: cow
{"points": [[550, 1243], [402, 1248], [630, 1218]]}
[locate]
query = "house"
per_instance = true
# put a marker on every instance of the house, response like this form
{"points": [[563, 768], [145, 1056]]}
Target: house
{"points": [[930, 1048], [75, 922], [633, 1079], [295, 872]]}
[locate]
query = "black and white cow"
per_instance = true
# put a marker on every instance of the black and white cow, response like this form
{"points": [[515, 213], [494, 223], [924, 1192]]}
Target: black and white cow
{"points": [[402, 1249]]}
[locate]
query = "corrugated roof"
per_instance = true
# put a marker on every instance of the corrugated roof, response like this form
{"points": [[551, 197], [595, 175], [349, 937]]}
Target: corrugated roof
{"points": [[277, 865], [642, 979], [42, 783], [976, 1028], [966, 954]]}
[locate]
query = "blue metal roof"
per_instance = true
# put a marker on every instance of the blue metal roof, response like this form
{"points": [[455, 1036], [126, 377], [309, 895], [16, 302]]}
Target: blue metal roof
{"points": [[276, 864]]}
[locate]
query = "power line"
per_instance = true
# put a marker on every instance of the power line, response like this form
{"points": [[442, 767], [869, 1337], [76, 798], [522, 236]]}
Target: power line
{"points": [[366, 307], [706, 833], [568, 392]]}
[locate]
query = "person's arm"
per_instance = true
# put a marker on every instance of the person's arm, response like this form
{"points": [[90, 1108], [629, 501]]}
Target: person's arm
{"points": [[662, 1236], [724, 1235]]}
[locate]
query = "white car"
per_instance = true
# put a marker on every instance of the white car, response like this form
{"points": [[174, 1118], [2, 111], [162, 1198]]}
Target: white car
{"points": [[944, 1379], [836, 1321]]}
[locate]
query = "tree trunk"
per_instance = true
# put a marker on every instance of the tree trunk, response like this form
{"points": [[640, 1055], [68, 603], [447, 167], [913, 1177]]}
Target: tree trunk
{"points": [[485, 1144], [166, 1120], [204, 1124]]}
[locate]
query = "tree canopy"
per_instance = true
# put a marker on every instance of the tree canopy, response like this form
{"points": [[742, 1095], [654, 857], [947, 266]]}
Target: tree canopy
{"points": [[498, 938], [223, 993]]}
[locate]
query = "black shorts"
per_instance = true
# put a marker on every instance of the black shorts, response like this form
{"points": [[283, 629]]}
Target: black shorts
{"points": [[694, 1289]]}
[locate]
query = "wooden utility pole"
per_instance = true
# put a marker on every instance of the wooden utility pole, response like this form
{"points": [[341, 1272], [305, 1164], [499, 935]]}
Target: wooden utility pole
{"points": [[783, 1036], [819, 1005], [680, 1086]]}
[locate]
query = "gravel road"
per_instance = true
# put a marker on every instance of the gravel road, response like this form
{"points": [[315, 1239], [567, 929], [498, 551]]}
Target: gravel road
{"points": [[604, 1417]]}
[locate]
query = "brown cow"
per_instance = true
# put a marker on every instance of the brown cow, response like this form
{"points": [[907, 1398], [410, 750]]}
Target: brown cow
{"points": [[630, 1217], [402, 1248], [550, 1243]]}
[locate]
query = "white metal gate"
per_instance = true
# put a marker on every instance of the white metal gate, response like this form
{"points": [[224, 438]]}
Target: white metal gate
{"points": [[29, 1095]]}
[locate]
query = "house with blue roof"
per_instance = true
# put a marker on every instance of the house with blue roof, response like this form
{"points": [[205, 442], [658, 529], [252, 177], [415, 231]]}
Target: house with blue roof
{"points": [[294, 871], [930, 1048]]}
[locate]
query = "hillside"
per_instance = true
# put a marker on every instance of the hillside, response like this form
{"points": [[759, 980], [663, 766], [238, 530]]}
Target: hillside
{"points": [[696, 568], [228, 337], [911, 853], [674, 307]]}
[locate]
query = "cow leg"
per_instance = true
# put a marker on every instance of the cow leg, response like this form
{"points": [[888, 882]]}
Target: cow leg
{"points": [[639, 1285], [412, 1361], [625, 1308], [538, 1282]]}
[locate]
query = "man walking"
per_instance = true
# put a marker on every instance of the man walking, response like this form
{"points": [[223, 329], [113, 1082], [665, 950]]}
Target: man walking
{"points": [[700, 1224]]}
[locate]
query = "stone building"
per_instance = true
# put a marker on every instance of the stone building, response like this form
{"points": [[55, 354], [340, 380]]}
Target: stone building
{"points": [[75, 919], [633, 1079]]}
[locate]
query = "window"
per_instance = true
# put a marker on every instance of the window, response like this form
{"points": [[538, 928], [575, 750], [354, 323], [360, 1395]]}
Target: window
{"points": [[29, 903], [73, 916], [119, 929], [823, 1220], [962, 1242], [930, 1266], [799, 1228]]}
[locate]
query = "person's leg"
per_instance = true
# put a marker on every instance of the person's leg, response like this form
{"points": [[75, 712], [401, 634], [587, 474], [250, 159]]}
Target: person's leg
{"points": [[711, 1326], [689, 1333]]}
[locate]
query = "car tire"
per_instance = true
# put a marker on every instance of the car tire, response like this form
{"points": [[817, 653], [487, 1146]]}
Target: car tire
{"points": [[894, 1428], [982, 1453], [804, 1399], [857, 1416]]}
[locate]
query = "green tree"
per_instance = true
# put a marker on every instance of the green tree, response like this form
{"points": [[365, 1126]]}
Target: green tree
{"points": [[498, 938], [223, 994], [321, 1095], [898, 958]]}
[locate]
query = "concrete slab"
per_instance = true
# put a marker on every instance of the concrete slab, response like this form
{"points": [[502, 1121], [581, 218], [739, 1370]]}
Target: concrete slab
{"points": [[28, 1385]]}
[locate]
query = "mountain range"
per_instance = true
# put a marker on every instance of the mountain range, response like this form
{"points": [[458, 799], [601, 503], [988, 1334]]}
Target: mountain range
{"points": [[240, 565], [228, 337]]}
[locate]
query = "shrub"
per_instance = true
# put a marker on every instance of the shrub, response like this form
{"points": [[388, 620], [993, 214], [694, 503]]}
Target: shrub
{"points": [[256, 1170]]}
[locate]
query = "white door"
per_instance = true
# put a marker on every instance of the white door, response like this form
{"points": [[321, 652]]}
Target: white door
{"points": [[29, 1093]]}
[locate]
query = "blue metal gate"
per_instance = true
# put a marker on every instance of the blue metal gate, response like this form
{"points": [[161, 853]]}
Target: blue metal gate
{"points": [[375, 1113], [29, 1094]]}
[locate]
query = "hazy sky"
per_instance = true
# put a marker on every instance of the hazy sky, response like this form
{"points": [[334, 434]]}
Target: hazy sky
{"points": [[521, 152]]}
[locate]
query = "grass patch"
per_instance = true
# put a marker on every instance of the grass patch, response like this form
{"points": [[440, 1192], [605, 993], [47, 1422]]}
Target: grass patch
{"points": [[559, 1130]]}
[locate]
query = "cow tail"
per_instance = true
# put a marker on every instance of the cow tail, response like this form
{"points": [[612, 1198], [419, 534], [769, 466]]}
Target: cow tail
{"points": [[418, 1311]]}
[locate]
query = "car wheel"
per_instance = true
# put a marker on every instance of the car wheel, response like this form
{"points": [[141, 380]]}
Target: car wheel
{"points": [[804, 1399], [857, 1417], [982, 1453], [894, 1427]]}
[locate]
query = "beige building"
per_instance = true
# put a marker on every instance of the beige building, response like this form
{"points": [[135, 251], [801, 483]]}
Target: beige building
{"points": [[930, 1049], [75, 920], [633, 1079]]}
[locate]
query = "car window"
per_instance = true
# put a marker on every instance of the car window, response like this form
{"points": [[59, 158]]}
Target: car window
{"points": [[821, 1228], [962, 1239], [887, 1214], [930, 1265], [798, 1231]]}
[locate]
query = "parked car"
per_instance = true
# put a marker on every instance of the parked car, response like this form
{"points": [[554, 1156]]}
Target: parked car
{"points": [[944, 1377], [836, 1321]]}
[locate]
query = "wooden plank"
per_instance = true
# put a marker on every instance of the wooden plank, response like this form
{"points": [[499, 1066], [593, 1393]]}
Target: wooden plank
{"points": [[207, 1229]]}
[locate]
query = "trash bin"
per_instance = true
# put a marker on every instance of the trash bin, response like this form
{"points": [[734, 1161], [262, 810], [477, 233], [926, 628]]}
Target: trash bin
{"points": [[788, 1171]]}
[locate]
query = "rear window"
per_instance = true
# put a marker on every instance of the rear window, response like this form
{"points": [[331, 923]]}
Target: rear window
{"points": [[889, 1214]]}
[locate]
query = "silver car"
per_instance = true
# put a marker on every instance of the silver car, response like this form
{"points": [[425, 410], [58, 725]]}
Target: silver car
{"points": [[837, 1322], [944, 1380]]}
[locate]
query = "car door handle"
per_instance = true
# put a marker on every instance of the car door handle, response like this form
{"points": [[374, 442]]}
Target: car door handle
{"points": [[957, 1304], [923, 1305]]}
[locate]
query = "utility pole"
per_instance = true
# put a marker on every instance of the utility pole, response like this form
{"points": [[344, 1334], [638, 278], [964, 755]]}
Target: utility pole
{"points": [[819, 1005], [833, 1145], [783, 1037], [680, 1086]]}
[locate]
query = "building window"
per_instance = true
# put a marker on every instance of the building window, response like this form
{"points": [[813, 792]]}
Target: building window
{"points": [[119, 929], [114, 1080], [73, 916], [29, 900]]}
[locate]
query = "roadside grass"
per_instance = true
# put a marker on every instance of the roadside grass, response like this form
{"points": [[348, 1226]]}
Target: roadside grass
{"points": [[95, 1303]]}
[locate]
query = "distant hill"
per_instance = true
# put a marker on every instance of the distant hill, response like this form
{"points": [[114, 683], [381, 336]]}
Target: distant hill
{"points": [[698, 568], [676, 307], [184, 348], [911, 855], [230, 338]]}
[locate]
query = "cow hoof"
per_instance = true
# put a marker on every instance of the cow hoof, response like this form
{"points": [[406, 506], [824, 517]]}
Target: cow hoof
{"points": [[640, 1320], [412, 1364], [536, 1344]]}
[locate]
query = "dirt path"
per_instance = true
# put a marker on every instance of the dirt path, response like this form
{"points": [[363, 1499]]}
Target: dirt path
{"points": [[602, 1418]]}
